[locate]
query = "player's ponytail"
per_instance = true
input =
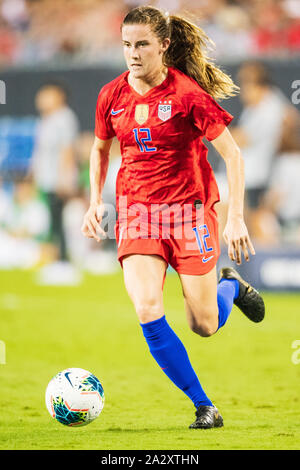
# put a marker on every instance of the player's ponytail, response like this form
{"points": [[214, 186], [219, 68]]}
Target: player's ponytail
{"points": [[187, 51]]}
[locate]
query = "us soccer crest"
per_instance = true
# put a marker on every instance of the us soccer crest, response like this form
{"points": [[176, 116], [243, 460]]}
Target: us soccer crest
{"points": [[165, 110], [141, 113]]}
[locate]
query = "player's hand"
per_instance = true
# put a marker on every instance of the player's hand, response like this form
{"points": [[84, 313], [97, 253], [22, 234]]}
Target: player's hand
{"points": [[91, 222], [237, 238]]}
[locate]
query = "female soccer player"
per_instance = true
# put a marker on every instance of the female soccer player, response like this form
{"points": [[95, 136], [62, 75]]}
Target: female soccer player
{"points": [[160, 110]]}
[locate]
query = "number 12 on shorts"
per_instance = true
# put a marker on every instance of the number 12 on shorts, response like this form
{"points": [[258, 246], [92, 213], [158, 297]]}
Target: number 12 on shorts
{"points": [[202, 234]]}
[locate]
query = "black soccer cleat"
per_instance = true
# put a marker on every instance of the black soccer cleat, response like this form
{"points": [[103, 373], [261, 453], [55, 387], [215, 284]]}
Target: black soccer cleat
{"points": [[249, 300], [207, 417]]}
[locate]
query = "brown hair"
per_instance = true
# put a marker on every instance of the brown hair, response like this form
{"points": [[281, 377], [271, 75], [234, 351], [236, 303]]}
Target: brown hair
{"points": [[187, 49]]}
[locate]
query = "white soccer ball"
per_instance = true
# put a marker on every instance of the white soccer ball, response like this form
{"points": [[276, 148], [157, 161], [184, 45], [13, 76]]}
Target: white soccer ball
{"points": [[74, 397]]}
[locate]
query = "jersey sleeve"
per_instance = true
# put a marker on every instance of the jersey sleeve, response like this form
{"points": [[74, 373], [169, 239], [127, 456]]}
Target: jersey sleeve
{"points": [[208, 116], [103, 126]]}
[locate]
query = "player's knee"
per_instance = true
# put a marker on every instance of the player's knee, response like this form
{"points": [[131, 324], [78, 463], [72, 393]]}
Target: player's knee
{"points": [[203, 329], [205, 325], [148, 310]]}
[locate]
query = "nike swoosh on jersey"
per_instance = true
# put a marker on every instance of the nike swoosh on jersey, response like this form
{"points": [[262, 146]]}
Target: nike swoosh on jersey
{"points": [[118, 111], [205, 260]]}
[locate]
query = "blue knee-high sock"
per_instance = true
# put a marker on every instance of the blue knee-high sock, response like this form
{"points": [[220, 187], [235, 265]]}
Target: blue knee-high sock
{"points": [[227, 291], [171, 356]]}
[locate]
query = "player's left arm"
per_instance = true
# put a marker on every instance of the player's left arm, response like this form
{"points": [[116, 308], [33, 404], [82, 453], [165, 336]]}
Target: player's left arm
{"points": [[236, 233]]}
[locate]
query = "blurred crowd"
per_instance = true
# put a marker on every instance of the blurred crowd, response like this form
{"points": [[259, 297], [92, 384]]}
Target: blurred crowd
{"points": [[41, 211], [42, 206], [268, 134], [34, 32]]}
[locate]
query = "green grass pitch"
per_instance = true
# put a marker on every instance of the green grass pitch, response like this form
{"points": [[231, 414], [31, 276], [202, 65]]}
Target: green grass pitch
{"points": [[246, 369]]}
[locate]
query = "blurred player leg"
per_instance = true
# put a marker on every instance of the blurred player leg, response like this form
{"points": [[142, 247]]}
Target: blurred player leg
{"points": [[56, 205]]}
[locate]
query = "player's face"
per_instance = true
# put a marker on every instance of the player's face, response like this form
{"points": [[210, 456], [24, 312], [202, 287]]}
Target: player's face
{"points": [[143, 50]]}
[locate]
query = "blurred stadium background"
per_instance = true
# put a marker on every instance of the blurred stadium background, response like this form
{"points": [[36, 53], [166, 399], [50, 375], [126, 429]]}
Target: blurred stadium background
{"points": [[54, 57], [75, 45]]}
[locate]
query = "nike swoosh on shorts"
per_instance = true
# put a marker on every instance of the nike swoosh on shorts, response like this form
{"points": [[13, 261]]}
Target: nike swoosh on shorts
{"points": [[205, 260]]}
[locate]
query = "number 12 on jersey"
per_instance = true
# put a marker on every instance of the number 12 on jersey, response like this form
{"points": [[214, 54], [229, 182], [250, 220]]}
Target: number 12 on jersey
{"points": [[142, 138]]}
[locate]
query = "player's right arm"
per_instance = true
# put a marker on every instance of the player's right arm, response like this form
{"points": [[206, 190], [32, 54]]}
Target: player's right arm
{"points": [[99, 158]]}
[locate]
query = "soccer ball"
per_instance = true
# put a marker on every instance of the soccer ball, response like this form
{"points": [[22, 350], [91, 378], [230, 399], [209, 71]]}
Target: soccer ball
{"points": [[74, 397]]}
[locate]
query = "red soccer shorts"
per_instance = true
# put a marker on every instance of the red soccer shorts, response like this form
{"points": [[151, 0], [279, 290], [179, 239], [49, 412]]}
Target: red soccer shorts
{"points": [[184, 237]]}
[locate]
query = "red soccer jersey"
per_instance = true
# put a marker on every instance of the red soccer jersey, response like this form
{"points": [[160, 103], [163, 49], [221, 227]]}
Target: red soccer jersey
{"points": [[163, 157]]}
